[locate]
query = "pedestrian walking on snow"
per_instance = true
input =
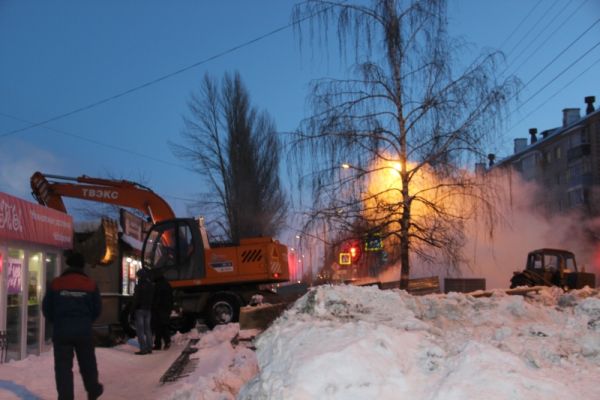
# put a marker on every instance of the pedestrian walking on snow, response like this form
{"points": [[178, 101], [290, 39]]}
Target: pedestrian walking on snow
{"points": [[72, 303], [142, 307]]}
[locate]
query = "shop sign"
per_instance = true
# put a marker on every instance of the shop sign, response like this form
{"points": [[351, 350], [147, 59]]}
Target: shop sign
{"points": [[133, 225], [15, 267], [22, 220]]}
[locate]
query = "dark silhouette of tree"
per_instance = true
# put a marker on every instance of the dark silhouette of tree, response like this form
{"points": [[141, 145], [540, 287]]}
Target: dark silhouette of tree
{"points": [[235, 148], [405, 127]]}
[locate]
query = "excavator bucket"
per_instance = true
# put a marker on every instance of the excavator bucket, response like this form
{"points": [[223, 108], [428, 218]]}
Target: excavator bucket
{"points": [[99, 247]]}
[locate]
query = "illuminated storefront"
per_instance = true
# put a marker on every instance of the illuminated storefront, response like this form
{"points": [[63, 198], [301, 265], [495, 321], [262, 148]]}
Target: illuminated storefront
{"points": [[133, 230], [32, 239], [130, 266]]}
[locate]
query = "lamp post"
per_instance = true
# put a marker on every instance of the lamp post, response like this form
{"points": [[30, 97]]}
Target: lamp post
{"points": [[300, 258]]}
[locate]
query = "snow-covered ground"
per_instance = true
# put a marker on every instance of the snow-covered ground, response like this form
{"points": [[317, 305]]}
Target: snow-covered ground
{"points": [[347, 342]]}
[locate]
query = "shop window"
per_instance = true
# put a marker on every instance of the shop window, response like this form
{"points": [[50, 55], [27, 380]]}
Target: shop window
{"points": [[34, 300], [14, 302], [128, 269]]}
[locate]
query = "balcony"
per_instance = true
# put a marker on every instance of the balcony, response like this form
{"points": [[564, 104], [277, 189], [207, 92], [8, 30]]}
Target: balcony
{"points": [[583, 180], [578, 151]]}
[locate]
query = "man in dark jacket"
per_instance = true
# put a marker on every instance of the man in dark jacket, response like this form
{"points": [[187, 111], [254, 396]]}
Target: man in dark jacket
{"points": [[142, 307], [71, 304], [161, 311]]}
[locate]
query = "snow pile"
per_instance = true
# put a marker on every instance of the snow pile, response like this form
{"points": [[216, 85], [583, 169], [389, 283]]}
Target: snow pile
{"points": [[348, 342], [220, 368]]}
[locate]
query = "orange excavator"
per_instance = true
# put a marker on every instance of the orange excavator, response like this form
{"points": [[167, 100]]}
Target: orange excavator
{"points": [[211, 282]]}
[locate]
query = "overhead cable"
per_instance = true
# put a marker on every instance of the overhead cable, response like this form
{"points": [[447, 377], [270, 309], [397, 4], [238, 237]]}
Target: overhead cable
{"points": [[533, 26], [99, 143], [561, 25], [160, 78], [519, 24], [559, 91]]}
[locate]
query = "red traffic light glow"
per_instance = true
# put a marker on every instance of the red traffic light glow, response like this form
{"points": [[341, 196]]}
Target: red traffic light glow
{"points": [[350, 252]]}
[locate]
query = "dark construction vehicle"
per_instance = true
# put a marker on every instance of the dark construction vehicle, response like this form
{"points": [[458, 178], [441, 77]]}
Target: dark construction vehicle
{"points": [[210, 282], [552, 267]]}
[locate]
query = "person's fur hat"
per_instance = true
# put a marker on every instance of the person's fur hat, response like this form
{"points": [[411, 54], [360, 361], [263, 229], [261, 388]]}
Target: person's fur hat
{"points": [[75, 260]]}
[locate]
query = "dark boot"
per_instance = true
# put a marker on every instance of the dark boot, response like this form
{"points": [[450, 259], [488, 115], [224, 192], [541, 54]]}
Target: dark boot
{"points": [[98, 393]]}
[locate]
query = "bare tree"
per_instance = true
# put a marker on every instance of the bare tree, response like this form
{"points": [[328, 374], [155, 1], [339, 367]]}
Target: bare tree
{"points": [[405, 127], [235, 149]]}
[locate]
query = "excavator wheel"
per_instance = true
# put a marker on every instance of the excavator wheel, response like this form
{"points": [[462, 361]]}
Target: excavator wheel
{"points": [[183, 324], [222, 308]]}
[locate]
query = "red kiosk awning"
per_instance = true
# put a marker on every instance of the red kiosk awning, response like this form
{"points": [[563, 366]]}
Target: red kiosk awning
{"points": [[22, 220]]}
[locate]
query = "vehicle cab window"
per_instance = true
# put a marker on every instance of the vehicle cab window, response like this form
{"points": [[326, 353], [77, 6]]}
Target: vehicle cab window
{"points": [[551, 263], [160, 247]]}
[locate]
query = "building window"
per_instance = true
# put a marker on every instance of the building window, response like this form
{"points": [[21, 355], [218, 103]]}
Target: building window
{"points": [[576, 170], [585, 137], [557, 153], [586, 166], [575, 197], [548, 157]]}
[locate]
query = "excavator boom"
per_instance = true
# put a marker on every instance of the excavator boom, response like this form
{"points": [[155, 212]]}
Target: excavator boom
{"points": [[118, 192]]}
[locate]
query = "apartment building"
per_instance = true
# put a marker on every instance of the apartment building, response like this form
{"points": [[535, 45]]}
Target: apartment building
{"points": [[565, 161]]}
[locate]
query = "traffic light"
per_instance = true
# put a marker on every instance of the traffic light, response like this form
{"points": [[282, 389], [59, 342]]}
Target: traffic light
{"points": [[355, 253]]}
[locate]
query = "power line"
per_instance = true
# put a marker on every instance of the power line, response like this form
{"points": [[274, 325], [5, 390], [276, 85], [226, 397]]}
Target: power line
{"points": [[519, 24], [532, 28], [561, 25], [562, 72], [552, 62], [559, 91], [164, 77], [99, 143], [561, 53], [181, 198]]}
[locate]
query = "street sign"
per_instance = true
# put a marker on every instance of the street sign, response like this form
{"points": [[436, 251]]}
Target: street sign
{"points": [[373, 243], [345, 259]]}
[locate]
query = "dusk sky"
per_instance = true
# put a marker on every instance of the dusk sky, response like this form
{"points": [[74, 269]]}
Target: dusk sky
{"points": [[62, 56]]}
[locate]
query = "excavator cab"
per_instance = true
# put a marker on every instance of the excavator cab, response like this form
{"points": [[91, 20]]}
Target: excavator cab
{"points": [[175, 248]]}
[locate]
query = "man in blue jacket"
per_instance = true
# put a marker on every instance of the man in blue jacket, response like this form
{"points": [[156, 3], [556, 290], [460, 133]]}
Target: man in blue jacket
{"points": [[71, 304]]}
